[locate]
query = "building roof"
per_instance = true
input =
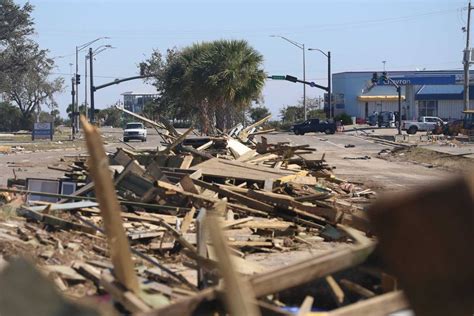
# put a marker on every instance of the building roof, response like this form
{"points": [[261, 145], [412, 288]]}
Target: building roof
{"points": [[381, 93], [443, 92]]}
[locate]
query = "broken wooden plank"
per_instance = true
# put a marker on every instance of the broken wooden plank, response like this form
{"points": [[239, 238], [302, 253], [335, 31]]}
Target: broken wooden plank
{"points": [[336, 290], [127, 298], [384, 304], [357, 288], [238, 293], [434, 267], [117, 239]]}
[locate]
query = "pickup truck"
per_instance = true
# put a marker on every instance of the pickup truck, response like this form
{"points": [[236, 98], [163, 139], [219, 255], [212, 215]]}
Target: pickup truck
{"points": [[314, 125], [134, 131], [424, 123]]}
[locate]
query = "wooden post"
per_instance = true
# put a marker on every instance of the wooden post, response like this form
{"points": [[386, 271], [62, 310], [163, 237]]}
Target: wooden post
{"points": [[110, 209]]}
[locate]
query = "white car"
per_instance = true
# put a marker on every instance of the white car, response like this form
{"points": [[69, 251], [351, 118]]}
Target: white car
{"points": [[134, 130]]}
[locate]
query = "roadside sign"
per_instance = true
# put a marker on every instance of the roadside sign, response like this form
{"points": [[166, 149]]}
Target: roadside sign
{"points": [[43, 131], [278, 77]]}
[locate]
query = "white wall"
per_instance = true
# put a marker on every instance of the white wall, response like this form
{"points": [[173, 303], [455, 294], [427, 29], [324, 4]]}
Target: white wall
{"points": [[452, 109]]}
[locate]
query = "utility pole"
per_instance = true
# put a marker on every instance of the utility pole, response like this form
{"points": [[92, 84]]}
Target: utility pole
{"points": [[85, 86], [91, 58], [73, 110], [331, 109], [304, 86], [467, 59]]}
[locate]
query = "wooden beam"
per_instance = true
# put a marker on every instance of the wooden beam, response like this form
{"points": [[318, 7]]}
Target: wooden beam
{"points": [[377, 306], [110, 209], [238, 295]]}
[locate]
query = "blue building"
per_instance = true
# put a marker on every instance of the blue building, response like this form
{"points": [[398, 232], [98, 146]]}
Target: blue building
{"points": [[424, 93]]}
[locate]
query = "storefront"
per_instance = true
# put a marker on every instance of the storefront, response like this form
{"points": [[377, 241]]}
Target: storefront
{"points": [[424, 93]]}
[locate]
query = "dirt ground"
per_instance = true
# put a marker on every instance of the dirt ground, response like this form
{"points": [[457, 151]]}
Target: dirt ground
{"points": [[431, 159]]}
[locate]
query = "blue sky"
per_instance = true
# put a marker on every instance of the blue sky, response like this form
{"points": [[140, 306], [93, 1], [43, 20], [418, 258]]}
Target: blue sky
{"points": [[360, 34]]}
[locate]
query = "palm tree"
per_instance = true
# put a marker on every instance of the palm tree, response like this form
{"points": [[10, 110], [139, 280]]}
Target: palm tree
{"points": [[213, 81]]}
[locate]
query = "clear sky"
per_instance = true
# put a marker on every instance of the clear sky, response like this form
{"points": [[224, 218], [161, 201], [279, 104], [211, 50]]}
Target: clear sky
{"points": [[359, 33]]}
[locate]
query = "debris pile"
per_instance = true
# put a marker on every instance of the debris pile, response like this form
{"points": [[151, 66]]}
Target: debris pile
{"points": [[156, 230]]}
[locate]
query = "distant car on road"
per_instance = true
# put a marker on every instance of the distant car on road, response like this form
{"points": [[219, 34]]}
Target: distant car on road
{"points": [[424, 123], [134, 130], [314, 125]]}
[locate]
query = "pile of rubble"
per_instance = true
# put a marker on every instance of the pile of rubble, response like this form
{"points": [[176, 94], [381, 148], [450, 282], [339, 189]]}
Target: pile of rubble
{"points": [[156, 231]]}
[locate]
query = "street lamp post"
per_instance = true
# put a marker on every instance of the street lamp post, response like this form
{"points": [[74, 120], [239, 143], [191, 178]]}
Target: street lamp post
{"points": [[302, 47], [91, 62], [328, 56], [95, 52], [76, 105]]}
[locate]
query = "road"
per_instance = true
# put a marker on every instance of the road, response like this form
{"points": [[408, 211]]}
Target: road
{"points": [[379, 174]]}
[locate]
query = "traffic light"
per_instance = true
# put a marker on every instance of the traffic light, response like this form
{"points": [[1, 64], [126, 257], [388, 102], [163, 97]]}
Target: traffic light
{"points": [[78, 78], [375, 78], [384, 76], [291, 78]]}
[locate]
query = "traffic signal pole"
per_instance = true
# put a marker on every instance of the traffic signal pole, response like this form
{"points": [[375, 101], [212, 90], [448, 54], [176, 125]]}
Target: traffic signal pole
{"points": [[73, 127]]}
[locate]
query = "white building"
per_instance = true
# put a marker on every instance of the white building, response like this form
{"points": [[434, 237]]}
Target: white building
{"points": [[135, 101], [433, 93]]}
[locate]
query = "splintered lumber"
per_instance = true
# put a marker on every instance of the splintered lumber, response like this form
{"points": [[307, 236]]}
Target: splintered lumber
{"points": [[336, 290], [357, 288], [55, 221], [305, 308], [384, 304], [104, 189], [221, 168], [283, 278], [238, 294], [127, 298], [141, 118], [426, 240], [178, 141]]}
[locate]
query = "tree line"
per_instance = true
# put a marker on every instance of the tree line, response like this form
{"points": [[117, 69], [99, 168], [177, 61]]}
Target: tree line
{"points": [[25, 68]]}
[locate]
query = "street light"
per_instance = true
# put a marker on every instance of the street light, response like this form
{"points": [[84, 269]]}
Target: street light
{"points": [[328, 56], [78, 49], [300, 46], [91, 59], [98, 50]]}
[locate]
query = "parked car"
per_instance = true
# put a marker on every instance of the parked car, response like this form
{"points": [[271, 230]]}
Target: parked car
{"points": [[386, 119], [134, 130], [372, 119], [424, 123], [314, 125]]}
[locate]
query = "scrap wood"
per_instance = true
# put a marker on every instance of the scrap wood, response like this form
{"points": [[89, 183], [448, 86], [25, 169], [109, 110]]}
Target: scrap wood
{"points": [[176, 142], [336, 290], [384, 304], [284, 278], [305, 308], [357, 288], [444, 213], [54, 220], [238, 294], [127, 298], [105, 192]]}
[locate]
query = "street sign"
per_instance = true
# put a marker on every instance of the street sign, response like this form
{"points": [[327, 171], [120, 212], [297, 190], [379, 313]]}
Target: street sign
{"points": [[277, 77], [42, 130]]}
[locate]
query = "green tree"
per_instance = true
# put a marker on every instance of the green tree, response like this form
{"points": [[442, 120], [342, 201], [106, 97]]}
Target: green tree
{"points": [[16, 25], [292, 114], [258, 112], [110, 116], [24, 79], [11, 117], [210, 81]]}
